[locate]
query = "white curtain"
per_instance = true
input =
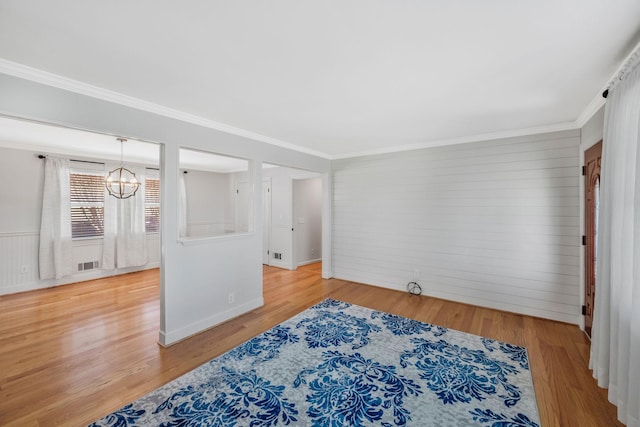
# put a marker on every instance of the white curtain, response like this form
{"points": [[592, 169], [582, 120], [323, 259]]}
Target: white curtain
{"points": [[125, 239], [56, 252], [615, 346], [182, 204]]}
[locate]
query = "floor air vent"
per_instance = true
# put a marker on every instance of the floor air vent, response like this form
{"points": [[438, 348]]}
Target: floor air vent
{"points": [[89, 265]]}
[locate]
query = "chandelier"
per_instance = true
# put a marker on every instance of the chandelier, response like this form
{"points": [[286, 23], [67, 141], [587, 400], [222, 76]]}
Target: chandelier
{"points": [[121, 183]]}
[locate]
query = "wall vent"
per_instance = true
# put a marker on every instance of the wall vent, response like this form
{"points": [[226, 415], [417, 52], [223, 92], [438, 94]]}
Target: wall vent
{"points": [[89, 265]]}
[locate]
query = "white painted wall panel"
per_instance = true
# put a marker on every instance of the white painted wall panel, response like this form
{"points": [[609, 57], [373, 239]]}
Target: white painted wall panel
{"points": [[307, 219], [493, 223], [19, 261], [210, 203]]}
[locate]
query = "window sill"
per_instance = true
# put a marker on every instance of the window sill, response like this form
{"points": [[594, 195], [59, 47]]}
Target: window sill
{"points": [[201, 240]]}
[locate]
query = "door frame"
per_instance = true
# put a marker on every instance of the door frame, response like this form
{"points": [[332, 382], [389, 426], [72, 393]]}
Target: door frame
{"points": [[591, 174], [266, 220]]}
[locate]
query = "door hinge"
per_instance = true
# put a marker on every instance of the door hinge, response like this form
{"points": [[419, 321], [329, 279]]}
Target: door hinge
{"points": [[237, 191], [584, 240], [584, 310], [584, 171], [268, 252]]}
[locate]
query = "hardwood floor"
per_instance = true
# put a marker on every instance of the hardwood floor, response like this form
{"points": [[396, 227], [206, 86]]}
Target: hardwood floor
{"points": [[72, 354]]}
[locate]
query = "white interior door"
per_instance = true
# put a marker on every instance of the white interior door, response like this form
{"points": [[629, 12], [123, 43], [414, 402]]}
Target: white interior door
{"points": [[266, 221]]}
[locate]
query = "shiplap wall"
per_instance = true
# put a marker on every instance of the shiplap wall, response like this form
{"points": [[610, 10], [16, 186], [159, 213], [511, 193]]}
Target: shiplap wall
{"points": [[492, 223]]}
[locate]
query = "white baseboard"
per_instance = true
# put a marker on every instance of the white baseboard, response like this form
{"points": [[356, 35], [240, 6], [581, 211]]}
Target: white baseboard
{"points": [[75, 278], [166, 339], [311, 261]]}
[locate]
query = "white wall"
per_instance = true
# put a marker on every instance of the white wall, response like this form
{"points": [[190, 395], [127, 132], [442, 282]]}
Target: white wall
{"points": [[492, 223], [210, 203], [20, 208], [196, 276], [307, 216]]}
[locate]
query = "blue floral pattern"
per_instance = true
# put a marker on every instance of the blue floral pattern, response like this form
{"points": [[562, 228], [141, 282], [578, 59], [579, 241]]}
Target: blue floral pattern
{"points": [[514, 352], [459, 374], [399, 325], [125, 416], [265, 346], [348, 389], [339, 364], [501, 420], [332, 304], [246, 396], [328, 328]]}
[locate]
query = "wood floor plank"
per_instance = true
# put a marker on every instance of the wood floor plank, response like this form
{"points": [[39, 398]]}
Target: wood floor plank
{"points": [[72, 354]]}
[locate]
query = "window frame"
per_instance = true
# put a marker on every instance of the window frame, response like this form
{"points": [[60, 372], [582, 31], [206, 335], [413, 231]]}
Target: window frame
{"points": [[152, 175], [90, 202], [98, 170]]}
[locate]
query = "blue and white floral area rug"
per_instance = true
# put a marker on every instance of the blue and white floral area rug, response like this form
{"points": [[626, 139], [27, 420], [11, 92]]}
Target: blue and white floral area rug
{"points": [[338, 364]]}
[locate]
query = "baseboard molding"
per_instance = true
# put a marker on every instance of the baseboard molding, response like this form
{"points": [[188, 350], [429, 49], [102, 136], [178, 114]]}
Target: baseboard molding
{"points": [[312, 261], [477, 302], [166, 339], [75, 278]]}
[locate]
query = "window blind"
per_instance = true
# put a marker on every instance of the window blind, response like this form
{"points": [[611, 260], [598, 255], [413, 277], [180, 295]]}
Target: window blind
{"points": [[87, 205], [152, 205]]}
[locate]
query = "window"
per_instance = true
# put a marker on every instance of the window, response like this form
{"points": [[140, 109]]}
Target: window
{"points": [[87, 205], [152, 205]]}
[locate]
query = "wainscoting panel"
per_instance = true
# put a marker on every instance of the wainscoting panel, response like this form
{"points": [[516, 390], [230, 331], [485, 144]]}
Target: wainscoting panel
{"points": [[492, 223], [18, 259], [19, 262]]}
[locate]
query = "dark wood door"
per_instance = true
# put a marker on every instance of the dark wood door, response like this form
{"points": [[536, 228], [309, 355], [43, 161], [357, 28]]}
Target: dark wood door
{"points": [[592, 158]]}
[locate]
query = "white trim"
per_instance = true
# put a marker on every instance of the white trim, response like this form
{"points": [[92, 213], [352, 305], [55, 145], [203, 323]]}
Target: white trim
{"points": [[50, 79], [166, 339], [477, 302], [627, 65], [75, 278], [464, 139], [592, 108], [190, 241], [19, 233], [312, 261]]}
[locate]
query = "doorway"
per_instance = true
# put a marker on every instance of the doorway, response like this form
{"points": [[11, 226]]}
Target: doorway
{"points": [[266, 220], [592, 160], [307, 220], [290, 225]]}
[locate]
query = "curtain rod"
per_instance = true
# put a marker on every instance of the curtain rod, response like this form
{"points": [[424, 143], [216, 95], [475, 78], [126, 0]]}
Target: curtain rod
{"points": [[628, 65], [42, 156]]}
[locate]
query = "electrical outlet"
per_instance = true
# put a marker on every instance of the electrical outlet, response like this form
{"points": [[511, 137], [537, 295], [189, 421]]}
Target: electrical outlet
{"points": [[231, 297], [416, 274]]}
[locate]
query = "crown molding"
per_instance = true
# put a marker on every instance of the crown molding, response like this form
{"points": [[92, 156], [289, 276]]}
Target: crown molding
{"points": [[591, 109], [465, 139], [54, 80], [631, 60]]}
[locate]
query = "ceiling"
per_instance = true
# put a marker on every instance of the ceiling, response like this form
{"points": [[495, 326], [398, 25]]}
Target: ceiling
{"points": [[335, 78]]}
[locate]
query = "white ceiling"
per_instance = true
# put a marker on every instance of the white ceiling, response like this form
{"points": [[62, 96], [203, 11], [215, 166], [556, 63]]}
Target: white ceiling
{"points": [[337, 78], [82, 145]]}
